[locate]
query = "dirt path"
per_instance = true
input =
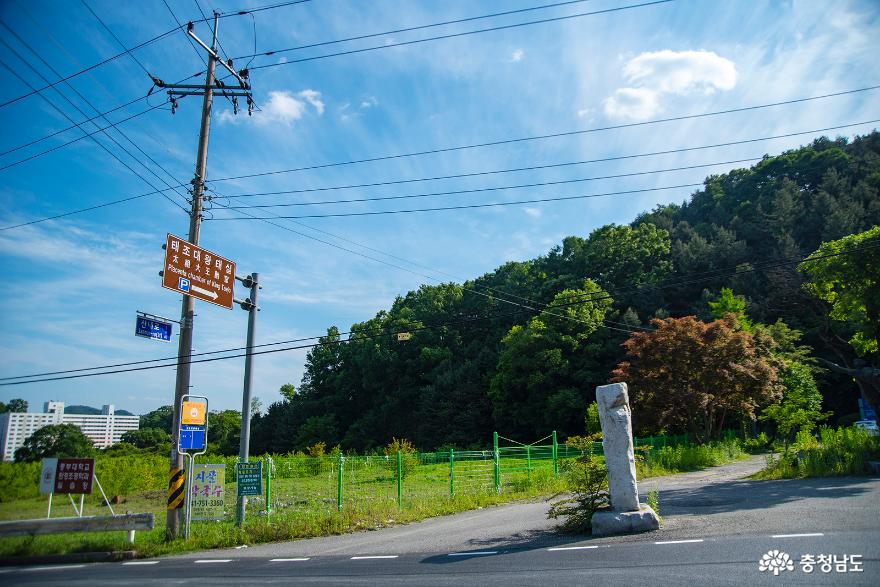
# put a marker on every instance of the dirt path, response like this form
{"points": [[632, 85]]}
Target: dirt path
{"points": [[721, 474]]}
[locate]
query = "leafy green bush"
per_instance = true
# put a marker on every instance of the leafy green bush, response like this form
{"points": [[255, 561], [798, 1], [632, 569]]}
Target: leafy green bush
{"points": [[588, 481], [758, 444], [409, 458], [844, 451]]}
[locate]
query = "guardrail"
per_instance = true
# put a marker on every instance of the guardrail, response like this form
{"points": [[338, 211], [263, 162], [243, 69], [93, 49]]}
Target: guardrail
{"points": [[124, 522]]}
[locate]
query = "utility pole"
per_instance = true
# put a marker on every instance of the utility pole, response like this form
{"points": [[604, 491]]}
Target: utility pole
{"points": [[250, 304], [176, 514]]}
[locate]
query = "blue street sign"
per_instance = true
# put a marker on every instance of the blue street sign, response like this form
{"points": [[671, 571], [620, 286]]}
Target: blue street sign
{"points": [[192, 437], [153, 328]]}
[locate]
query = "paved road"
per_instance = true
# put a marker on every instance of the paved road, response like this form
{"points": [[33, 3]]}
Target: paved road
{"points": [[716, 529]]}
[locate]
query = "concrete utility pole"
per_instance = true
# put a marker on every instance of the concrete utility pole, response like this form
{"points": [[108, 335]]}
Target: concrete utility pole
{"points": [[176, 513], [250, 304]]}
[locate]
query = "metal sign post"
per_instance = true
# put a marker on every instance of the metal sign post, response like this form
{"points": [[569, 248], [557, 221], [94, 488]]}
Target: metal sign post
{"points": [[252, 281], [192, 440]]}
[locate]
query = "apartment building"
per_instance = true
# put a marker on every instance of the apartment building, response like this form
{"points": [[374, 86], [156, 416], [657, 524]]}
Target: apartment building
{"points": [[104, 429]]}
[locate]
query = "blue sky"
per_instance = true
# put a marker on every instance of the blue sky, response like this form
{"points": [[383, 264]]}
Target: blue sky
{"points": [[73, 285]]}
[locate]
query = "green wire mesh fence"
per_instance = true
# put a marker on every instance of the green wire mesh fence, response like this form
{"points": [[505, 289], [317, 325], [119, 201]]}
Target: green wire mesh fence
{"points": [[335, 482]]}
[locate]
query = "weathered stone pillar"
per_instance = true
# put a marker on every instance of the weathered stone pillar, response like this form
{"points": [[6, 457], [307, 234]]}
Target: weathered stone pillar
{"points": [[627, 515], [617, 441]]}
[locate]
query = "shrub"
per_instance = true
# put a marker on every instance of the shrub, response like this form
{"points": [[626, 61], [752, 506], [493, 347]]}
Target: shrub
{"points": [[588, 481], [845, 451], [653, 500], [409, 459], [758, 444]]}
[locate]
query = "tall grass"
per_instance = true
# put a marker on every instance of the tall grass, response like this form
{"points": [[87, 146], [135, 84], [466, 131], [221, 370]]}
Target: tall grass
{"points": [[677, 459], [844, 451]]}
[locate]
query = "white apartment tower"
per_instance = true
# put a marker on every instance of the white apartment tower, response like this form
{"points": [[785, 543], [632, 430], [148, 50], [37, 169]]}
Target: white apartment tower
{"points": [[104, 429]]}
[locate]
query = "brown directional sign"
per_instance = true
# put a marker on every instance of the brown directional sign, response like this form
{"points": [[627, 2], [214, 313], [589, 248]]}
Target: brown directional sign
{"points": [[192, 270]]}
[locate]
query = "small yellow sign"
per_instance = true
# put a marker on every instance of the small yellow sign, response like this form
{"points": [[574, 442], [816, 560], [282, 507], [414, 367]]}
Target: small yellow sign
{"points": [[404, 335], [193, 413]]}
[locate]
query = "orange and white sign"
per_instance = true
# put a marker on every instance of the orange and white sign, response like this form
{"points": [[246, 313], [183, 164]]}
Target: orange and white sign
{"points": [[193, 413]]}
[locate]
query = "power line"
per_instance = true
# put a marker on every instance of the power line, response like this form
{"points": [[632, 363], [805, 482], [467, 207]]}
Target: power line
{"points": [[662, 285], [454, 176], [90, 68], [491, 189], [93, 118], [106, 91], [473, 206], [412, 28], [84, 99], [261, 8], [112, 34], [547, 136], [99, 143], [550, 165], [464, 34], [85, 136]]}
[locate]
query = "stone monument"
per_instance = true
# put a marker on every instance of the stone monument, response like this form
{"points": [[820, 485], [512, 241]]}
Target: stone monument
{"points": [[626, 515]]}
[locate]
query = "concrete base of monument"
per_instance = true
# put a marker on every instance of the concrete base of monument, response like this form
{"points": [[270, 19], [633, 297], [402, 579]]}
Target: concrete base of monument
{"points": [[609, 522]]}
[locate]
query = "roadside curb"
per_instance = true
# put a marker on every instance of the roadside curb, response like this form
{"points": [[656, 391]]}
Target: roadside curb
{"points": [[74, 557]]}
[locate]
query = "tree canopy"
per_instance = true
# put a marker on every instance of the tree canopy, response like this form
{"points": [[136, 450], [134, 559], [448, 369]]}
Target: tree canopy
{"points": [[692, 376], [56, 440], [484, 355]]}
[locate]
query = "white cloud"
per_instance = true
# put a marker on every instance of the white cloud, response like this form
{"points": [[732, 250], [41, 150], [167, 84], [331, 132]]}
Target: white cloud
{"points": [[632, 103], [370, 102], [313, 98], [655, 74], [533, 212], [517, 55], [282, 107]]}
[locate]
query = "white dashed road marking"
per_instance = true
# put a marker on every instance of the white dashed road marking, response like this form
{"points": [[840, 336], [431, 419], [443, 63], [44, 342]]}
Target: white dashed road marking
{"points": [[141, 563], [571, 548], [54, 568], [361, 558], [797, 535], [213, 560], [679, 541], [288, 560]]}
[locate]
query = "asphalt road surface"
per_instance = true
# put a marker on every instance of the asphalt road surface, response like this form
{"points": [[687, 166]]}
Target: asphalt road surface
{"points": [[717, 528]]}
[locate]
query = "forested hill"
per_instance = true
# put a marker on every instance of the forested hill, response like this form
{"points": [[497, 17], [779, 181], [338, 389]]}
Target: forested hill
{"points": [[475, 363]]}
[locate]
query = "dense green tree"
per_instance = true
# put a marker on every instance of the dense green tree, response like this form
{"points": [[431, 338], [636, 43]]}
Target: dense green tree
{"points": [[850, 284], [14, 405], [538, 386], [56, 440], [742, 231], [146, 437], [801, 405], [161, 418]]}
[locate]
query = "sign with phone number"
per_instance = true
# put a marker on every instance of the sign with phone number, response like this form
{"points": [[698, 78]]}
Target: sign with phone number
{"points": [[208, 494]]}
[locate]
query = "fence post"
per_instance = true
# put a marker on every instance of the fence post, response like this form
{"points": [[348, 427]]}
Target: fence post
{"points": [[555, 456], [451, 472], [268, 485], [529, 461], [339, 483], [399, 482], [496, 457]]}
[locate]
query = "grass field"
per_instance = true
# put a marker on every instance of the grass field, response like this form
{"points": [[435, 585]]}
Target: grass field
{"points": [[305, 497]]}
